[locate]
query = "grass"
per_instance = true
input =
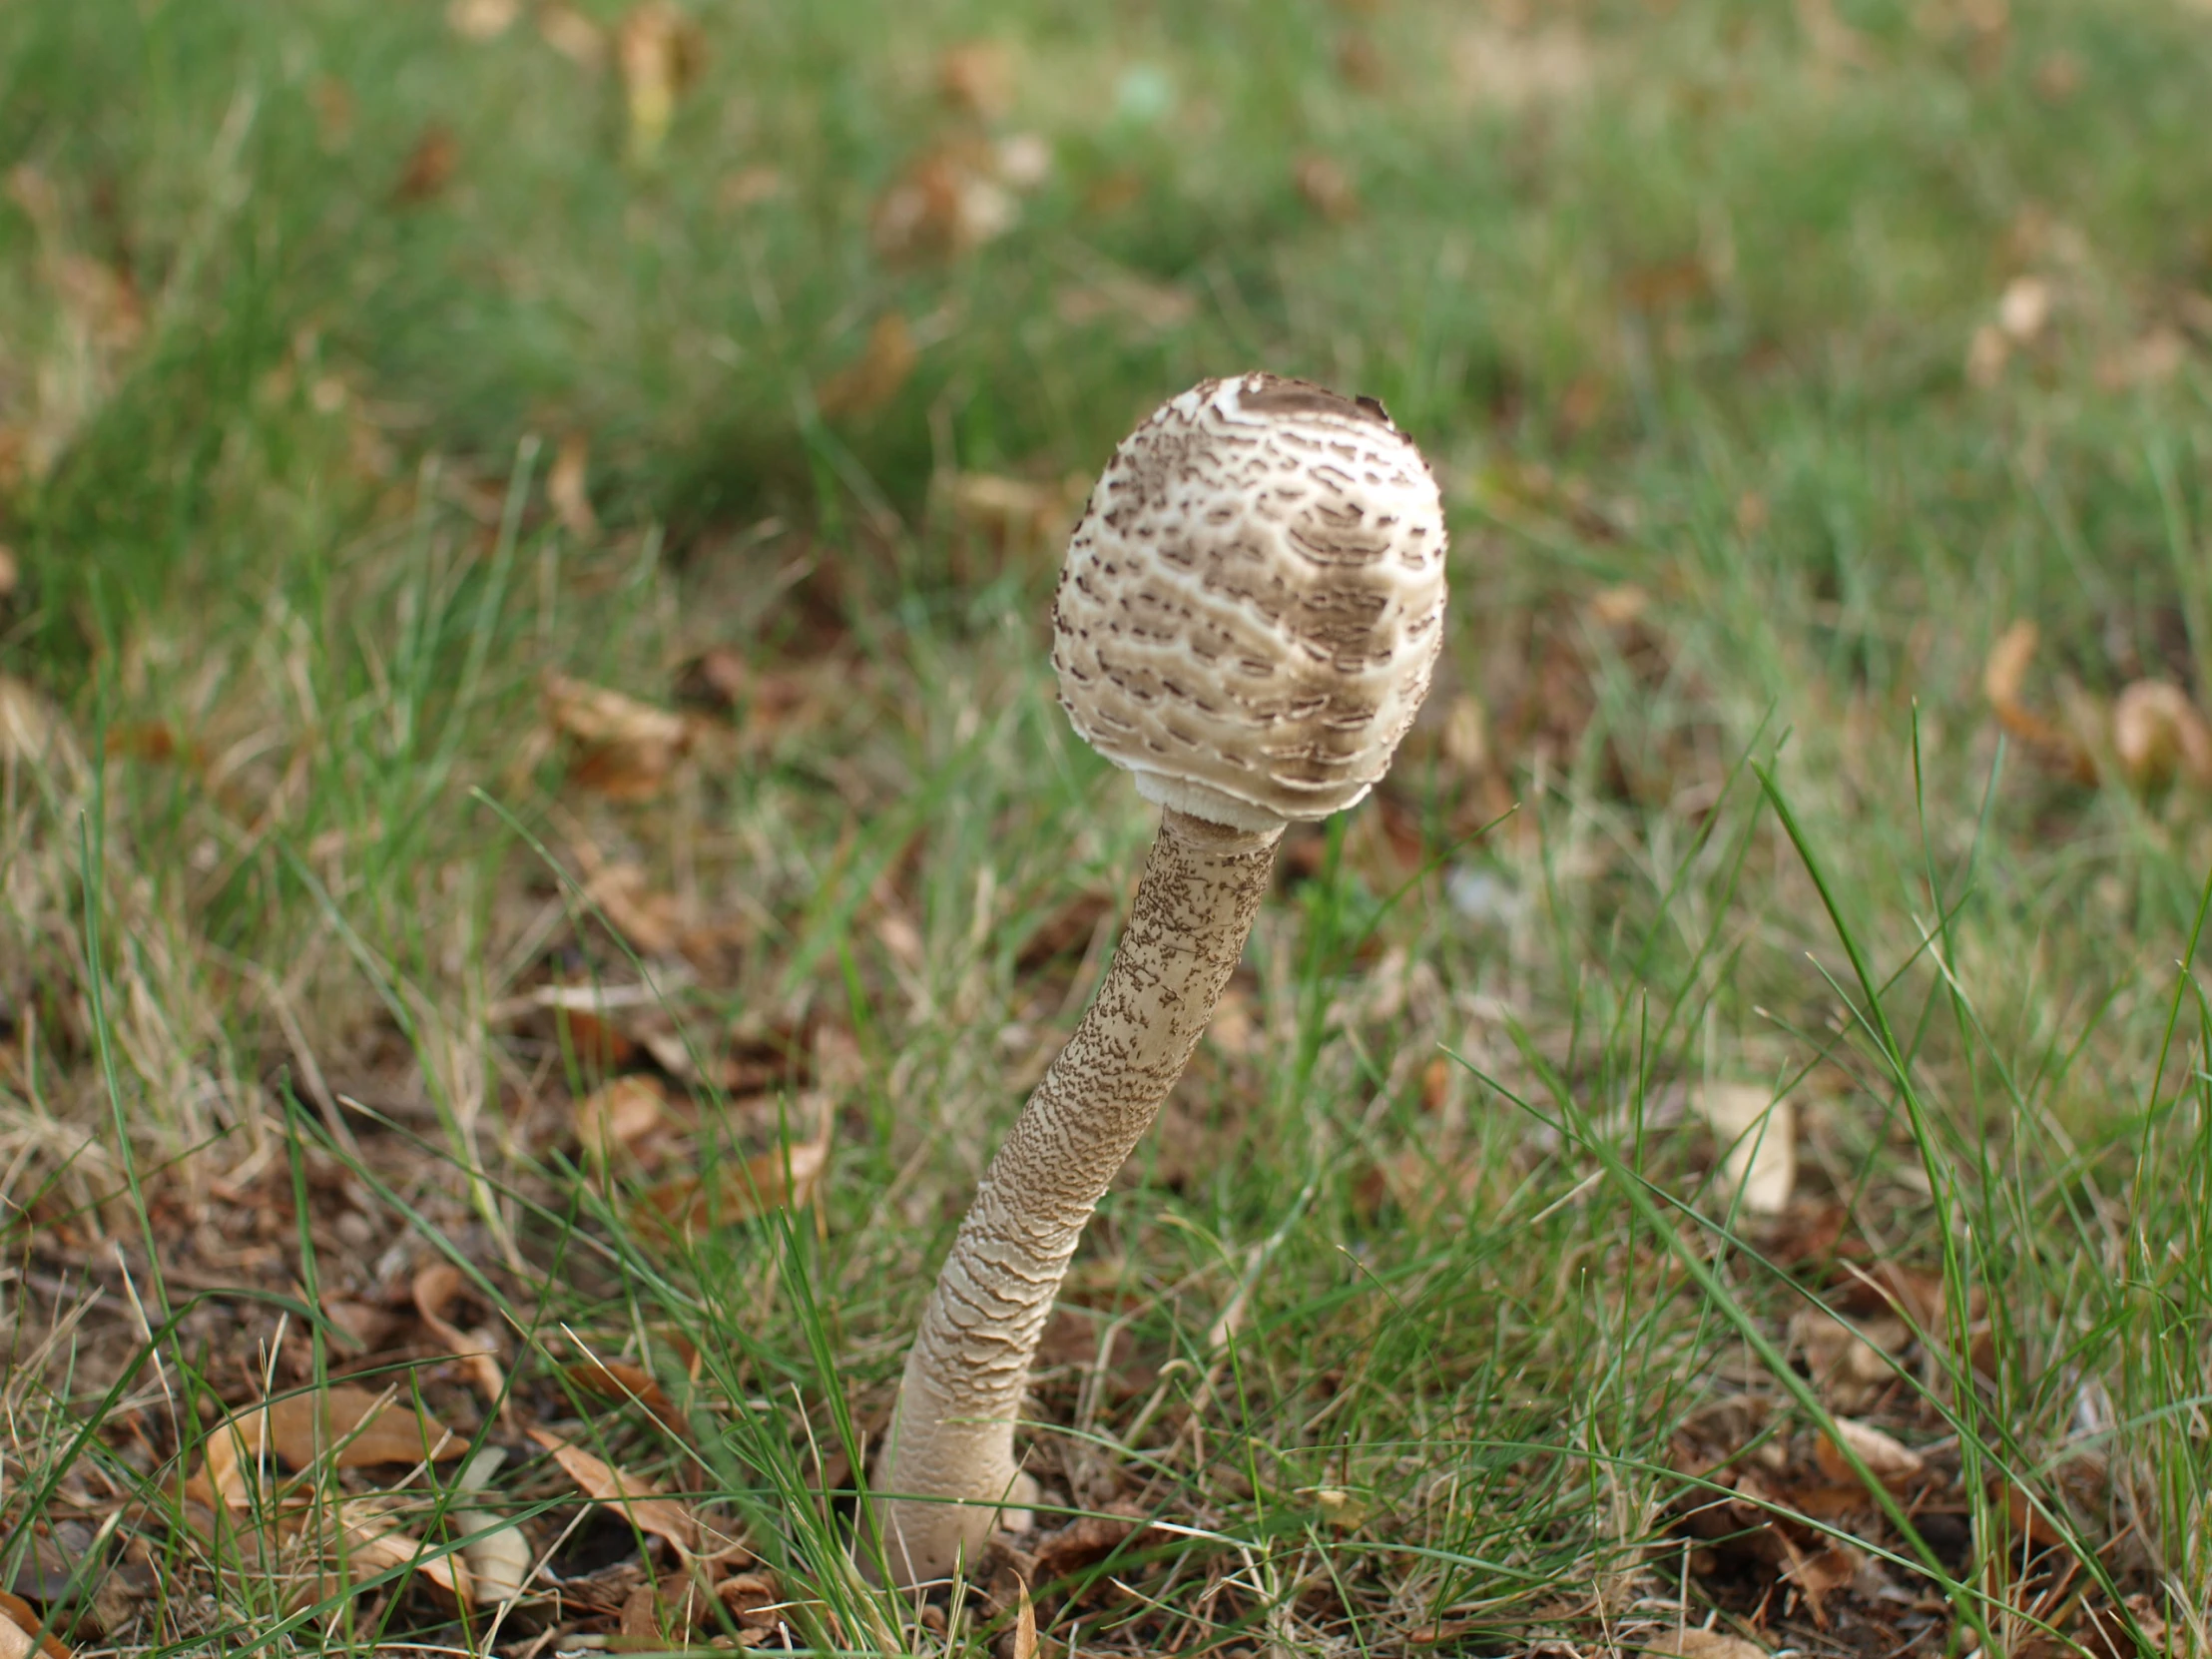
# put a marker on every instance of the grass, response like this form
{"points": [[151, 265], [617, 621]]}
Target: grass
{"points": [[357, 375]]}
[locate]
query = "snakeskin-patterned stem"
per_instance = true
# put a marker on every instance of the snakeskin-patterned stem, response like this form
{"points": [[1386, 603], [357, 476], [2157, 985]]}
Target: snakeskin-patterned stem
{"points": [[949, 1463]]}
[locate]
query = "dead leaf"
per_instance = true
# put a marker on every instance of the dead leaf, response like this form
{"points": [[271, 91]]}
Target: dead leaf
{"points": [[1083, 1542], [621, 1382], [2151, 361], [977, 76], [2157, 732], [1511, 70], [647, 919], [1232, 1030], [2028, 1522], [1707, 1644], [565, 488], [1850, 1365], [1888, 1459], [752, 1598], [626, 749], [1024, 160], [351, 1425], [1326, 186], [1758, 1137], [154, 741], [947, 201], [661, 51], [767, 1181], [1345, 1511], [2003, 677], [333, 111], [363, 1322], [749, 185], [1149, 304], [1359, 63], [435, 1289], [18, 1624], [1834, 41], [1015, 514], [1987, 355], [482, 19], [2023, 309], [624, 1114], [1026, 1627], [659, 1616], [102, 299], [498, 1555], [2058, 77], [885, 366], [631, 1495], [375, 1543], [429, 167], [572, 34]]}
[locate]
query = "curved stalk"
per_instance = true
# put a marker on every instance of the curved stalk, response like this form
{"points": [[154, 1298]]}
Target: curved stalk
{"points": [[950, 1461]]}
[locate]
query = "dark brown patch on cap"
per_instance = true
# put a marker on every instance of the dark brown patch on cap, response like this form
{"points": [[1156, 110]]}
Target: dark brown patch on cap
{"points": [[1276, 396]]}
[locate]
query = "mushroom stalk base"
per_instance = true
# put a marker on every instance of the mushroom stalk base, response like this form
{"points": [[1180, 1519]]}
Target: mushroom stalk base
{"points": [[948, 1463]]}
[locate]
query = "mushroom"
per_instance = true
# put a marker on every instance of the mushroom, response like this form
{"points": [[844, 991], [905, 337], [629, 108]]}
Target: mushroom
{"points": [[1246, 621]]}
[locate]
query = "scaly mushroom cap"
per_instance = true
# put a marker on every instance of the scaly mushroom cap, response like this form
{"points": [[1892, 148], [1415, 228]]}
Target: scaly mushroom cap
{"points": [[1253, 601]]}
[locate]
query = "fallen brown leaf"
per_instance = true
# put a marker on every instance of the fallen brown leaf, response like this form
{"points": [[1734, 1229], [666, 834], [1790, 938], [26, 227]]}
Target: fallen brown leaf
{"points": [[435, 1289], [625, 1114], [631, 1495], [1120, 295], [18, 1625], [978, 76], [2158, 733], [644, 915], [2023, 309], [1026, 1627], [2002, 678], [1888, 1459], [482, 19], [1082, 1542], [659, 1616], [1849, 1365], [1014, 513], [364, 1323], [429, 165], [626, 749], [154, 741], [768, 1181], [660, 50], [750, 186], [1326, 186], [572, 34], [752, 1598], [375, 1543], [1707, 1644], [565, 487], [1758, 1138], [948, 201], [1512, 70], [885, 366], [351, 1425], [620, 1380], [499, 1557]]}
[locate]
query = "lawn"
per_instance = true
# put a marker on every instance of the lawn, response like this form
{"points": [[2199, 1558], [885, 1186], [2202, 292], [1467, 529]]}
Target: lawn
{"points": [[538, 857]]}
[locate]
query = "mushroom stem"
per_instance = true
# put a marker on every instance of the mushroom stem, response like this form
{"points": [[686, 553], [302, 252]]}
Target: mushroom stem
{"points": [[950, 1461]]}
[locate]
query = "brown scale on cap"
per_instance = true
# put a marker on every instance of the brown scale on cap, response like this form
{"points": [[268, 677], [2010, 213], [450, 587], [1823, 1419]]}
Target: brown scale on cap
{"points": [[1253, 602]]}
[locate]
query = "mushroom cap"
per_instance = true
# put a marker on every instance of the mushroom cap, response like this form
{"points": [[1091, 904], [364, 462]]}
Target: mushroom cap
{"points": [[1253, 601]]}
